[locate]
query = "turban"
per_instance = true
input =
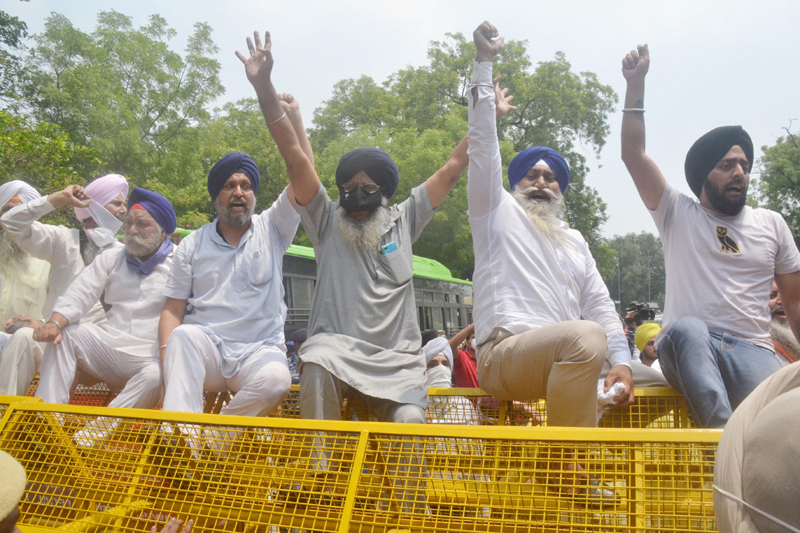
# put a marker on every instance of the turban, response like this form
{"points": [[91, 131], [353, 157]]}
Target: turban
{"points": [[159, 208], [13, 484], [756, 461], [300, 335], [103, 190], [526, 159], [375, 163], [644, 333], [437, 346], [229, 165], [18, 188], [706, 152]]}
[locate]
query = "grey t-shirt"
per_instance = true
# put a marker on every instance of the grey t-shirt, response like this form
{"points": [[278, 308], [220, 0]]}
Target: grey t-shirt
{"points": [[363, 326]]}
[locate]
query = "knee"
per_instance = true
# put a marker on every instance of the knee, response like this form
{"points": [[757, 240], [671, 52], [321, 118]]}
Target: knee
{"points": [[151, 377], [687, 327], [408, 414], [590, 343], [182, 336], [274, 379]]}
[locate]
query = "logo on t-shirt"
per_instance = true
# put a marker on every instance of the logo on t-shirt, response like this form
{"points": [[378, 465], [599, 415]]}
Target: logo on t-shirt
{"points": [[728, 244]]}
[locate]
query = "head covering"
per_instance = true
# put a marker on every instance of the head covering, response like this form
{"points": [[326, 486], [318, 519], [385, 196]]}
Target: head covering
{"points": [[375, 163], [437, 346], [13, 484], [300, 335], [103, 190], [229, 165], [19, 188], [159, 208], [644, 333], [527, 159], [706, 152]]}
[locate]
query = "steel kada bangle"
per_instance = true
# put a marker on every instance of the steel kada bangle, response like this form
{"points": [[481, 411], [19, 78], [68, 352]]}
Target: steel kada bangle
{"points": [[277, 120], [633, 110]]}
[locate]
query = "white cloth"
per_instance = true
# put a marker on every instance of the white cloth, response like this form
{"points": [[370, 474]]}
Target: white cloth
{"points": [[20, 360], [726, 290], [13, 188], [24, 291], [522, 279], [58, 245], [237, 294], [608, 397], [192, 364]]}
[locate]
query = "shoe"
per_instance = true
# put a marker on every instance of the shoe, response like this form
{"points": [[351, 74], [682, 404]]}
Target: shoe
{"points": [[595, 494]]}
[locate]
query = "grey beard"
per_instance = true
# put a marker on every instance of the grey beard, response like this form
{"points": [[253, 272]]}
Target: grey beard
{"points": [[139, 246], [364, 235], [543, 215], [12, 257], [236, 222], [783, 335], [90, 251]]}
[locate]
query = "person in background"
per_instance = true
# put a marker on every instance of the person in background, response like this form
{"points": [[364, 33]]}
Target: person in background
{"points": [[465, 365], [645, 340], [783, 339]]}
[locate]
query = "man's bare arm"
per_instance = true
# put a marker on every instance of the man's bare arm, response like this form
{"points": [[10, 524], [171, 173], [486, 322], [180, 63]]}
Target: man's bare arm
{"points": [[646, 176], [460, 337], [258, 67], [789, 287], [171, 318], [292, 108]]}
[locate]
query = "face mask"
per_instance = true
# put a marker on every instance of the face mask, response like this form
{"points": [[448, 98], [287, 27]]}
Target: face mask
{"points": [[360, 201], [474, 345], [438, 376], [102, 237]]}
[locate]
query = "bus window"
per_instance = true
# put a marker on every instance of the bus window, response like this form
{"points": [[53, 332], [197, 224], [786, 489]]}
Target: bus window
{"points": [[421, 317], [434, 318], [428, 296], [438, 297], [418, 296], [302, 291]]}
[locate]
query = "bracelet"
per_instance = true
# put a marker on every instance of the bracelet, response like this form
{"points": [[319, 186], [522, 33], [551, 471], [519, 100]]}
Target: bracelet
{"points": [[633, 110], [56, 323], [278, 120], [162, 347]]}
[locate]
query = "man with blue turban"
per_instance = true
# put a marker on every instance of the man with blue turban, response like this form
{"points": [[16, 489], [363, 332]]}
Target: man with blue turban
{"points": [[123, 351], [222, 325], [721, 257]]}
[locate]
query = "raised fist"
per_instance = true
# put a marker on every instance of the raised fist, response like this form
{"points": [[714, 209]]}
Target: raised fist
{"points": [[487, 41], [636, 64], [289, 103]]}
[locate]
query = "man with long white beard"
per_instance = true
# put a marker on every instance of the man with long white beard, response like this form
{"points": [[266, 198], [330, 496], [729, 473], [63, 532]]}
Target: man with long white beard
{"points": [[783, 338], [100, 208], [23, 290], [123, 351]]}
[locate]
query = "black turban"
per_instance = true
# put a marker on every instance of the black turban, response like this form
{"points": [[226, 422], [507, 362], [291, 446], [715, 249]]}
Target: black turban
{"points": [[375, 163], [706, 152], [229, 165]]}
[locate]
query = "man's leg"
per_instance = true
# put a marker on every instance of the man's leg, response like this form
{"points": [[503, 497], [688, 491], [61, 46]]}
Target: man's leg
{"points": [[19, 361], [320, 393], [191, 365], [560, 362], [59, 364], [261, 384], [143, 388], [743, 366], [689, 358]]}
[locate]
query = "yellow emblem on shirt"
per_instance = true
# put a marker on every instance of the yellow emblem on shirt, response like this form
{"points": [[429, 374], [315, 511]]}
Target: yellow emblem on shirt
{"points": [[728, 244]]}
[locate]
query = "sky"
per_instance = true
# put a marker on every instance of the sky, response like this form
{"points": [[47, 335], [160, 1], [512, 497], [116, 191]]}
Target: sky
{"points": [[713, 63]]}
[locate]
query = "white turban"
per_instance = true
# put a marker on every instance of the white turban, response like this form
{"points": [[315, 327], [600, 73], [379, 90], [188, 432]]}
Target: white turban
{"points": [[757, 469], [437, 346], [19, 188], [102, 191]]}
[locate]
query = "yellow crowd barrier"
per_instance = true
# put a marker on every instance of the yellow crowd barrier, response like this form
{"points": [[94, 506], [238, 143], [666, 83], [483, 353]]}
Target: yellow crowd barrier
{"points": [[94, 469]]}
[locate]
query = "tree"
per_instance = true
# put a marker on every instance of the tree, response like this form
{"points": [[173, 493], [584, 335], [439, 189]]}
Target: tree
{"points": [[641, 275], [779, 185], [12, 32]]}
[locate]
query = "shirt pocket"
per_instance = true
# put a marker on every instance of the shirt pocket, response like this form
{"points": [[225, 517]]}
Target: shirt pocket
{"points": [[396, 266], [258, 267]]}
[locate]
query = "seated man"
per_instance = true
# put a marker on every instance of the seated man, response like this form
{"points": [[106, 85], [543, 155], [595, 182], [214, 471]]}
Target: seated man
{"points": [[786, 345], [222, 325], [23, 290], [438, 374], [534, 277], [123, 351], [363, 333], [721, 257]]}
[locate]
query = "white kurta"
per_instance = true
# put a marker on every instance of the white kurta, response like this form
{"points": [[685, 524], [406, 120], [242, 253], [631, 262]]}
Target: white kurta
{"points": [[24, 292], [58, 245]]}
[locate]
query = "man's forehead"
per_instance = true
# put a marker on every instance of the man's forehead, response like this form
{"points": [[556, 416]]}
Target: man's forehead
{"points": [[540, 168], [140, 215], [360, 177], [734, 153], [237, 177]]}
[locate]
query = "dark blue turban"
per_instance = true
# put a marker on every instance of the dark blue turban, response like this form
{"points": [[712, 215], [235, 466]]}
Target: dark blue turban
{"points": [[159, 208], [229, 165], [525, 160], [706, 152], [375, 163]]}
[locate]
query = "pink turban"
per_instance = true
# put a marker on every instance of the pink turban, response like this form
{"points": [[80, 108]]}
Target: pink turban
{"points": [[103, 190]]}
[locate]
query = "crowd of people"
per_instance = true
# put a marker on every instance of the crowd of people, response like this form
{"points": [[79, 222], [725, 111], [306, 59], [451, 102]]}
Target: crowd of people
{"points": [[165, 323]]}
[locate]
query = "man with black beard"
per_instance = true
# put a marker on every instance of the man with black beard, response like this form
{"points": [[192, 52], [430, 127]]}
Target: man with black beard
{"points": [[721, 257], [783, 339]]}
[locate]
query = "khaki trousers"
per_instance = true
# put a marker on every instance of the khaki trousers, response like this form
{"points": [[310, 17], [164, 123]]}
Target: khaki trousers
{"points": [[559, 362]]}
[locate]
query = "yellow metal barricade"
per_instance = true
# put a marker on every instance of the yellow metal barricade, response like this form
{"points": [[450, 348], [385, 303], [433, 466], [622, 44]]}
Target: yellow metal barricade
{"points": [[101, 469]]}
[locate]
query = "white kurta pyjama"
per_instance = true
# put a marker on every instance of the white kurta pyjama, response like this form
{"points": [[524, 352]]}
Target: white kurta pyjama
{"points": [[232, 333], [123, 351]]}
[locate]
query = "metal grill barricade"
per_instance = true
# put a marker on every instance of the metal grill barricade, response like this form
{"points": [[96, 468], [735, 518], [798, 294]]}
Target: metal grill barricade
{"points": [[100, 469]]}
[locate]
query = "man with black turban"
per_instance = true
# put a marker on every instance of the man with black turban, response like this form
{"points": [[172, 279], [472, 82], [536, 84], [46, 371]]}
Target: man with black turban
{"points": [[363, 334], [721, 257]]}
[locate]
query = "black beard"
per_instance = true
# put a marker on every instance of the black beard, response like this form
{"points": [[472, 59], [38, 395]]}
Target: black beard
{"points": [[722, 204]]}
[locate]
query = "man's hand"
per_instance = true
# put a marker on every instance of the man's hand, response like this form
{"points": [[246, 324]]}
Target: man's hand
{"points": [[289, 103], [502, 102], [630, 317], [636, 64], [19, 321], [487, 47], [71, 196], [259, 65], [48, 332], [173, 525], [621, 374]]}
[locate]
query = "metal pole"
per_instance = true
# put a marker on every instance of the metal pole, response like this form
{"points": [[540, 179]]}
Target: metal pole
{"points": [[619, 285], [648, 277]]}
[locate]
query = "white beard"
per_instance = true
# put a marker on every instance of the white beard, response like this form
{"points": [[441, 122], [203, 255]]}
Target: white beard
{"points": [[90, 251], [139, 246], [12, 258], [543, 215], [783, 335], [364, 235]]}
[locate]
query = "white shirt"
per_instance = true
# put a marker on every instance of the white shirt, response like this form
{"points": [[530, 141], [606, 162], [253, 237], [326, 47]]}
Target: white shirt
{"points": [[237, 293], [25, 290], [135, 302], [57, 245], [724, 280], [524, 280]]}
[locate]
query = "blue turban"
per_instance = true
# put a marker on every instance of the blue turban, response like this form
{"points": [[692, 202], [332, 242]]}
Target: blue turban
{"points": [[159, 208], [375, 163], [229, 165], [525, 160]]}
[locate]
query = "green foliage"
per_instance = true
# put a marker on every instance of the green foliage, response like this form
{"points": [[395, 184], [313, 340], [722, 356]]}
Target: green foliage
{"points": [[12, 32], [779, 185], [641, 260]]}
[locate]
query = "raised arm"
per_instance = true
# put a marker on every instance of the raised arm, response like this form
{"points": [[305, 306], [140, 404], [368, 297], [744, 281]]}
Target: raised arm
{"points": [[646, 176], [291, 107], [258, 67], [460, 337]]}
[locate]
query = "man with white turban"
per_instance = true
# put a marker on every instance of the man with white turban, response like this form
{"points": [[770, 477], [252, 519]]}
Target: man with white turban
{"points": [[439, 374], [23, 289]]}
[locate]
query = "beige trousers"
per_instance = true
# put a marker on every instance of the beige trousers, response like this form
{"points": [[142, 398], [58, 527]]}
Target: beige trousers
{"points": [[559, 362]]}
